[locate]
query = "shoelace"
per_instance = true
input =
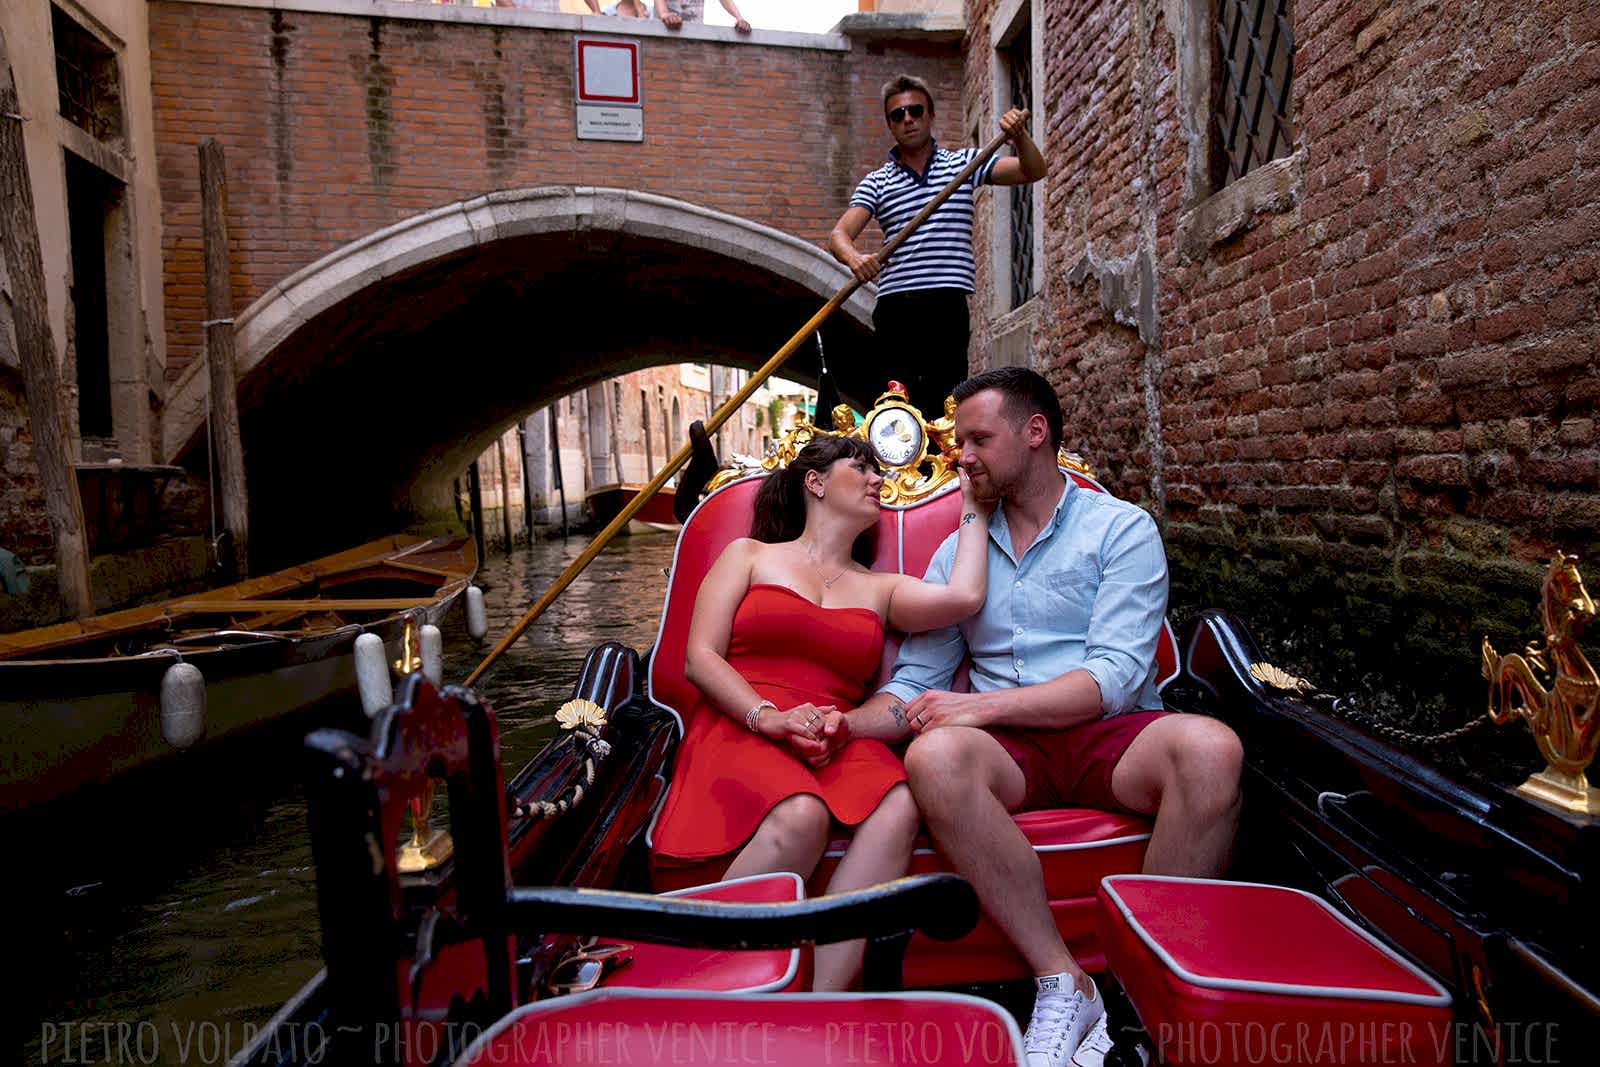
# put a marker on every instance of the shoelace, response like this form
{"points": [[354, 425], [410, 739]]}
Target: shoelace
{"points": [[1052, 1018]]}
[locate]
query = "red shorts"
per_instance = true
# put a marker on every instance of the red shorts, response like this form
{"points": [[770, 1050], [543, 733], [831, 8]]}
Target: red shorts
{"points": [[1072, 768]]}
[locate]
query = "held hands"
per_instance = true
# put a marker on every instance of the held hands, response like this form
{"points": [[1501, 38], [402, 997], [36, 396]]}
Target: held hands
{"points": [[813, 733]]}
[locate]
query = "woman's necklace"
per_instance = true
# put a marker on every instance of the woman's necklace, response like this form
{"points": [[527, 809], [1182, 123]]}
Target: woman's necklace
{"points": [[827, 583]]}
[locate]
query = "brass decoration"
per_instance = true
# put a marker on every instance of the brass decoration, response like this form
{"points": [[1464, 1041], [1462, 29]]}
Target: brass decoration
{"points": [[1277, 678], [410, 652], [1562, 712], [585, 714], [928, 473], [424, 850]]}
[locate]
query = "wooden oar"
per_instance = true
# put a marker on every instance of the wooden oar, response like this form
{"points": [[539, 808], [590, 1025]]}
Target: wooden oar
{"points": [[725, 412]]}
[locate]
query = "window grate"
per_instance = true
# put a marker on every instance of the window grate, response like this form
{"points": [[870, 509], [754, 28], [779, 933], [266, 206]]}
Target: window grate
{"points": [[1255, 42], [1020, 55], [87, 89]]}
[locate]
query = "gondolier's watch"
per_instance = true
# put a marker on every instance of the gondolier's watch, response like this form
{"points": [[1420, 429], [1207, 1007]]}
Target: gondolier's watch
{"points": [[896, 435]]}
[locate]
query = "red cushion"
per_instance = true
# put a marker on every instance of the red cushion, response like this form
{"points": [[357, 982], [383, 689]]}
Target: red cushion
{"points": [[1212, 965], [638, 1026], [755, 971]]}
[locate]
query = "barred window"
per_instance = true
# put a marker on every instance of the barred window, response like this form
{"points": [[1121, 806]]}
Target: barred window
{"points": [[1019, 62], [88, 88], [1254, 121]]}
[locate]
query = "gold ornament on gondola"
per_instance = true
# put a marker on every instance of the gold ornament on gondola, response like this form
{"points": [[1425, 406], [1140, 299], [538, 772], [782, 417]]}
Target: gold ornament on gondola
{"points": [[918, 456], [581, 714], [1278, 678], [1555, 689]]}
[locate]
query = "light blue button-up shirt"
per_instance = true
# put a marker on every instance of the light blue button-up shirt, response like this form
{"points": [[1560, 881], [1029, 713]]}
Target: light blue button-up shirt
{"points": [[1089, 593]]}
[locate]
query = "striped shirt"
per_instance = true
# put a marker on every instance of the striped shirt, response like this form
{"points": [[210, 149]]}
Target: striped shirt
{"points": [[939, 254]]}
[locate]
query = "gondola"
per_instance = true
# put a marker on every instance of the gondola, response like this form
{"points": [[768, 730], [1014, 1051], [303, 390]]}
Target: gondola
{"points": [[84, 701], [1380, 910], [607, 501]]}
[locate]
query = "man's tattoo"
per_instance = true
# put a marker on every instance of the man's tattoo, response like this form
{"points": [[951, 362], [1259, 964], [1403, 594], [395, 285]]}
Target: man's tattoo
{"points": [[968, 517], [898, 710]]}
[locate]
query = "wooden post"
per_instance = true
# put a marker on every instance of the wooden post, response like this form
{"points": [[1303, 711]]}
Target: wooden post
{"points": [[41, 378], [527, 487], [227, 447], [475, 496], [505, 492], [555, 465]]}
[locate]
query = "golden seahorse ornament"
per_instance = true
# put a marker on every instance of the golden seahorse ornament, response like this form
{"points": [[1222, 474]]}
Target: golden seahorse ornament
{"points": [[1563, 715]]}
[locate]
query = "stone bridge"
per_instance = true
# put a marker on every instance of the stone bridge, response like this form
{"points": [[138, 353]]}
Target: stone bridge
{"points": [[423, 251]]}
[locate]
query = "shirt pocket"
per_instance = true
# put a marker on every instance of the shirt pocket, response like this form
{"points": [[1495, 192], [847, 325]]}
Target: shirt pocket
{"points": [[1072, 588]]}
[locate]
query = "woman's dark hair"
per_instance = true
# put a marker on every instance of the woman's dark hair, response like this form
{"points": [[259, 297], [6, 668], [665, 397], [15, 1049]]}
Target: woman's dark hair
{"points": [[781, 501]]}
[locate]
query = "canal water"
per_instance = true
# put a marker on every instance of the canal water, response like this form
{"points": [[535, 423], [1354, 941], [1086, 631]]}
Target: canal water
{"points": [[175, 913]]}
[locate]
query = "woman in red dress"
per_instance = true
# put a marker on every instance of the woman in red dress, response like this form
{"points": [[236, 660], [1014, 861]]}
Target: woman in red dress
{"points": [[786, 637]]}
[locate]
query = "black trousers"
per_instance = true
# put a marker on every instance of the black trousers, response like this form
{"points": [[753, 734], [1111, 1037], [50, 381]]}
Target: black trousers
{"points": [[921, 337]]}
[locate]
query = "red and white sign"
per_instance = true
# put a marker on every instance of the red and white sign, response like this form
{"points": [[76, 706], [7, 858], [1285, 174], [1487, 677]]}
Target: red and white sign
{"points": [[609, 100]]}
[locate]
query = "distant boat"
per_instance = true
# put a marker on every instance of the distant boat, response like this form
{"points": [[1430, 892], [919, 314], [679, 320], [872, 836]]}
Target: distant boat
{"points": [[81, 701], [607, 501]]}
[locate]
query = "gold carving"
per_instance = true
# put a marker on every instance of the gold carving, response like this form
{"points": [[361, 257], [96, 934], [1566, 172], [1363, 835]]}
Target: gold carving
{"points": [[927, 474], [1562, 714], [1267, 674], [585, 714], [425, 849]]}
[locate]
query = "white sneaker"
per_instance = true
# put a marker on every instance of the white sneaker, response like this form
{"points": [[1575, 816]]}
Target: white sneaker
{"points": [[1096, 1043], [1061, 1020]]}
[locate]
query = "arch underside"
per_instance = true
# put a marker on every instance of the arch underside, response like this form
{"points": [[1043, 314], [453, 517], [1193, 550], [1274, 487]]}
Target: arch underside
{"points": [[366, 387]]}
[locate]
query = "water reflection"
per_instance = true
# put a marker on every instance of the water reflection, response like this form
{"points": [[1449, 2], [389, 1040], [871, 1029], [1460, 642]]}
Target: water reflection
{"points": [[178, 910]]}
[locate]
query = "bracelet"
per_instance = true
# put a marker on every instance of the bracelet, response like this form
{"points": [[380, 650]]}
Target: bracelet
{"points": [[753, 716]]}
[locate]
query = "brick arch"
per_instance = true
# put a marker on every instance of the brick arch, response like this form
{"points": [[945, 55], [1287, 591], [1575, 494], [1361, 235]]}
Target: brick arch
{"points": [[342, 275], [369, 379]]}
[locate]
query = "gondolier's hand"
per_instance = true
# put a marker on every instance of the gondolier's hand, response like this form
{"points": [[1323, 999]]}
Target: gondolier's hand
{"points": [[865, 268], [1014, 122], [936, 707]]}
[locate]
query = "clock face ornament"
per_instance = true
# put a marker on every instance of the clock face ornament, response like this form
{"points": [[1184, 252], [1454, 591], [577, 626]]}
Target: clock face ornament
{"points": [[896, 436]]}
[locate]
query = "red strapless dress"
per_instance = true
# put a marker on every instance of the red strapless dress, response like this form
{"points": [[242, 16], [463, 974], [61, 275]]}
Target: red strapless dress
{"points": [[727, 778]]}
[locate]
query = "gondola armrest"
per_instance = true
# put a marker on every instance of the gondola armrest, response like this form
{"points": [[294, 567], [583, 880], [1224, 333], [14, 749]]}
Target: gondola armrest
{"points": [[942, 906]]}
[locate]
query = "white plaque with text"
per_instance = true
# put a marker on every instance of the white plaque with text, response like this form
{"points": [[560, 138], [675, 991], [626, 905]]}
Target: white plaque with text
{"points": [[606, 81]]}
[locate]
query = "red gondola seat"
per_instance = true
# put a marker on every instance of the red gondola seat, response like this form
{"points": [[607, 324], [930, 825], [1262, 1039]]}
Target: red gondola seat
{"points": [[1077, 846], [1239, 972]]}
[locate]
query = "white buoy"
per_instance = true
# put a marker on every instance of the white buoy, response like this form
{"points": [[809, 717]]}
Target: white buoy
{"points": [[432, 654], [477, 614], [372, 674], [183, 705]]}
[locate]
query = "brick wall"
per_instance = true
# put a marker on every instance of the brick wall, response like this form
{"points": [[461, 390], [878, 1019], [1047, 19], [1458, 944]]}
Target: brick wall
{"points": [[1361, 391], [336, 126]]}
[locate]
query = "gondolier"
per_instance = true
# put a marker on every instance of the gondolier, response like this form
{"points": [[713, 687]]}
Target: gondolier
{"points": [[921, 314]]}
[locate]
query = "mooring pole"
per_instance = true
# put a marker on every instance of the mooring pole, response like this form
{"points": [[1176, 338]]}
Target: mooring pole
{"points": [[475, 496], [505, 492], [555, 464], [527, 486], [228, 446], [41, 379]]}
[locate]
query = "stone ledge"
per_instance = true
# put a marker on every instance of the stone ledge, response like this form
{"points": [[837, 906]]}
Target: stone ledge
{"points": [[903, 26], [421, 11], [1271, 188]]}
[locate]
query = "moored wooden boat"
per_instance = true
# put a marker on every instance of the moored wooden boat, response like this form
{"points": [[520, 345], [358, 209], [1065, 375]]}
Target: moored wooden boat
{"points": [[606, 501], [81, 701], [1468, 903]]}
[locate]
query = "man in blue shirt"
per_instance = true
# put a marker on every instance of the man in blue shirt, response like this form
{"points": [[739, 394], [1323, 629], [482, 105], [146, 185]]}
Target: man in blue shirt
{"points": [[921, 312], [1063, 709]]}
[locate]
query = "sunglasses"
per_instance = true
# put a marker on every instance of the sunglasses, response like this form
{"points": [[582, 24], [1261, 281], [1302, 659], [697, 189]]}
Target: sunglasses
{"points": [[914, 110], [584, 971]]}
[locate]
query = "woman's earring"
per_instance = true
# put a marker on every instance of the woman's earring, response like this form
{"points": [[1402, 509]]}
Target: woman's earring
{"points": [[819, 494]]}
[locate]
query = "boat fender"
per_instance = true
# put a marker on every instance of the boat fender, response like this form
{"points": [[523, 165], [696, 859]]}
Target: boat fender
{"points": [[477, 615], [183, 705], [432, 654], [372, 674]]}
